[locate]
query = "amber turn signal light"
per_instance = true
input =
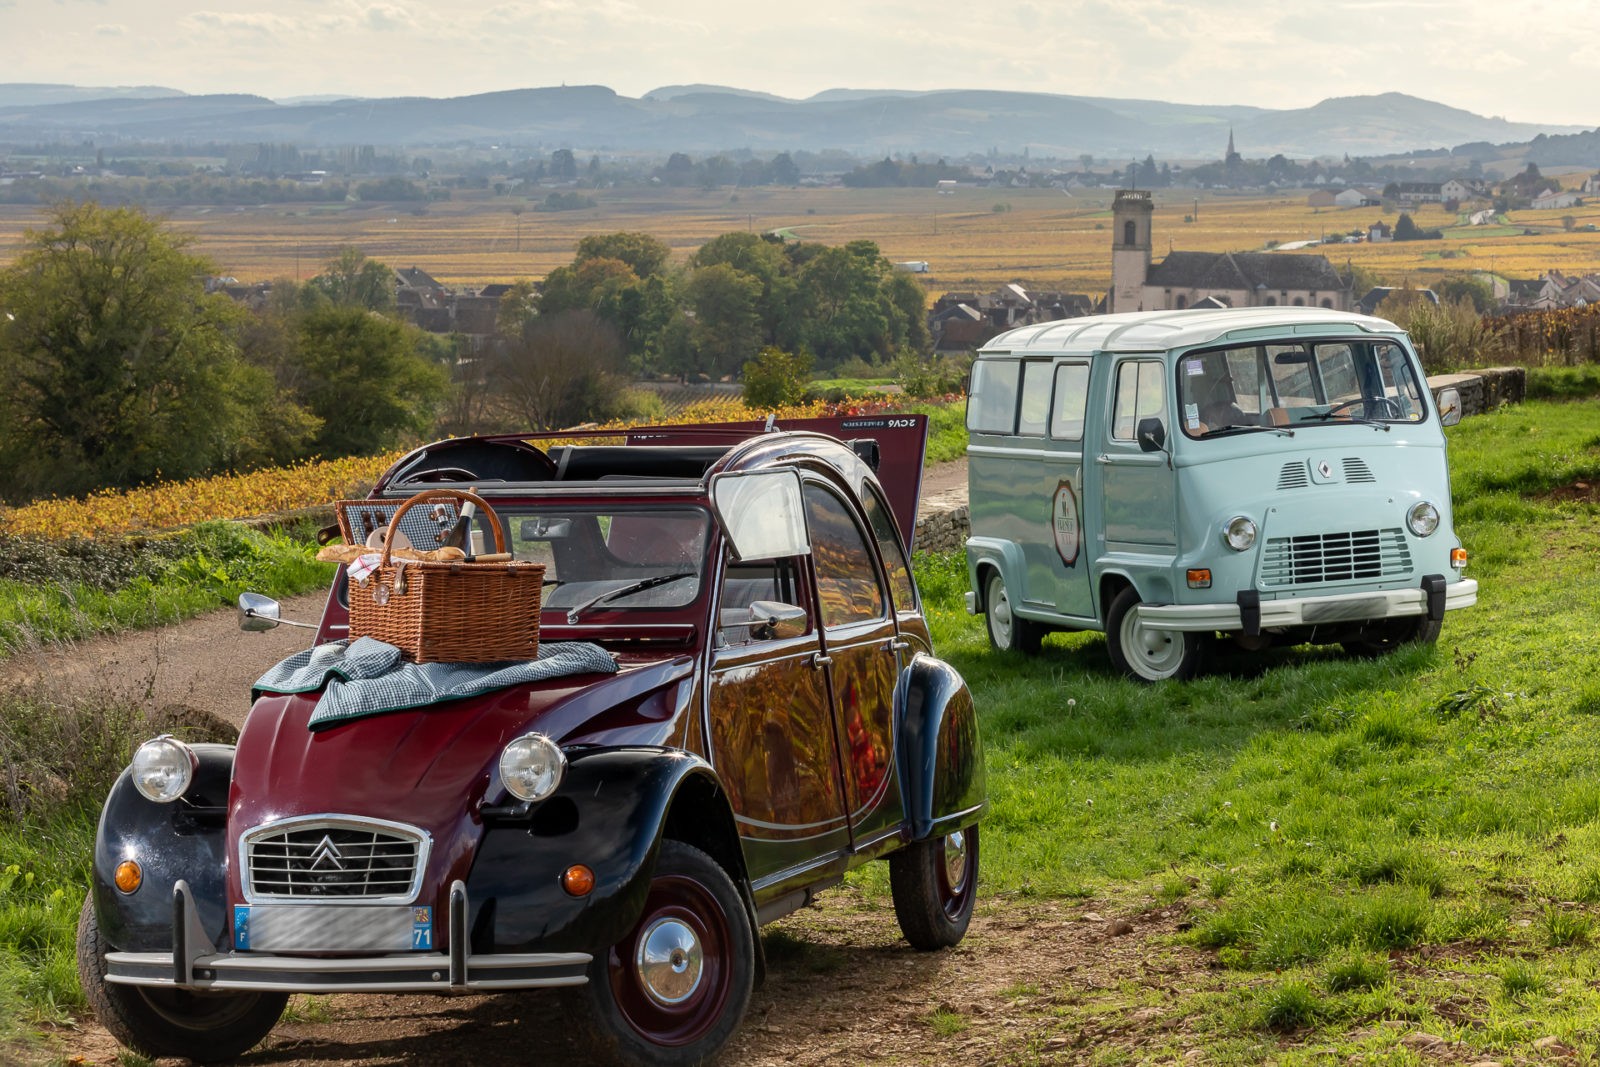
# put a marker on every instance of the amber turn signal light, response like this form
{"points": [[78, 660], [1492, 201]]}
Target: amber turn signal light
{"points": [[1200, 578], [128, 876], [1458, 558], [578, 880]]}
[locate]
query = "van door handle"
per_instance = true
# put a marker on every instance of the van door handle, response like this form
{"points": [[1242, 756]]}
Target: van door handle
{"points": [[1102, 458], [819, 661]]}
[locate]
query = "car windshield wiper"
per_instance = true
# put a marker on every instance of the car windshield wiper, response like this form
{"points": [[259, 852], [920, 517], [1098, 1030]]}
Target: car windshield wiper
{"points": [[1234, 427], [1344, 416], [640, 586]]}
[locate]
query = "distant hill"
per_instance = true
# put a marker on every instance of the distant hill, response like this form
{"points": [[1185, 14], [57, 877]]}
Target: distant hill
{"points": [[701, 119]]}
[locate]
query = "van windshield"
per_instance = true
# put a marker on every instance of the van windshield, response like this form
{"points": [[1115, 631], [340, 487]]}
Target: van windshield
{"points": [[1308, 383]]}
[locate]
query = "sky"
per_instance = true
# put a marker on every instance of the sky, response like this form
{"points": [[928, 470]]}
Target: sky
{"points": [[1530, 62]]}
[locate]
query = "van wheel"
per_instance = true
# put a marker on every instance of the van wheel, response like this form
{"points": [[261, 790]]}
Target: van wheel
{"points": [[204, 1027], [1008, 632], [1145, 653], [1386, 636]]}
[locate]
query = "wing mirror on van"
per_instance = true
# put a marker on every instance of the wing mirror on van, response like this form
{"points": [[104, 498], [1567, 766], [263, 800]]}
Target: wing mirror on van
{"points": [[1450, 407], [1151, 434]]}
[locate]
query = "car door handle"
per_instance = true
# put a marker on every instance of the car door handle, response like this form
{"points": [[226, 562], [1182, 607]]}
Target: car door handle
{"points": [[819, 661], [897, 645]]}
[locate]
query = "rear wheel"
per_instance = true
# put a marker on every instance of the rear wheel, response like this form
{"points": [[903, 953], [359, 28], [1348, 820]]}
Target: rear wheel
{"points": [[204, 1027], [676, 987], [1008, 631], [1147, 653], [934, 884], [1386, 636]]}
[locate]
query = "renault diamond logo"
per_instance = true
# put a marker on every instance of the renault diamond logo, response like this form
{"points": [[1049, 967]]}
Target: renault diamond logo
{"points": [[1324, 468], [327, 852]]}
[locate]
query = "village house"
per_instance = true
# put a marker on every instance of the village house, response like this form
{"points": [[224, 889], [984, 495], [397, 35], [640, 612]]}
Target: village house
{"points": [[962, 321], [1591, 185], [1182, 279], [1379, 232], [1463, 189], [1556, 199], [1357, 197], [1418, 192]]}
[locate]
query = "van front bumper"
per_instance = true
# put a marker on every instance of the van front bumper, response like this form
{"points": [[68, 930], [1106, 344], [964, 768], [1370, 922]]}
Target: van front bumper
{"points": [[1252, 616]]}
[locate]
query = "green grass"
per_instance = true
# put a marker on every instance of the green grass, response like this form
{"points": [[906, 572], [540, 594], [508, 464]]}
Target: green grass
{"points": [[61, 596], [1408, 840]]}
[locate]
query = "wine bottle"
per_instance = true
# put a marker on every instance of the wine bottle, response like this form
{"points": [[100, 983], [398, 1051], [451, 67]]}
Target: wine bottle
{"points": [[460, 535]]}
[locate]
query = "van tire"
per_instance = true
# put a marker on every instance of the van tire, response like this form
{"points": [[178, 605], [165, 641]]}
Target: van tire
{"points": [[1008, 632], [1144, 653]]}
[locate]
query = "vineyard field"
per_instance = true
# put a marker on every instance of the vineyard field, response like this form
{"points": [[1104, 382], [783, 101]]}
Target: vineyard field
{"points": [[972, 238]]}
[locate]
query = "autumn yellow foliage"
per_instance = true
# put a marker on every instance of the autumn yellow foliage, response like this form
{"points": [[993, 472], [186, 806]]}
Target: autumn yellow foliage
{"points": [[283, 489]]}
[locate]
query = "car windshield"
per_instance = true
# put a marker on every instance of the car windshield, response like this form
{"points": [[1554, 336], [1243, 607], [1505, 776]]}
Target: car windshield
{"points": [[604, 559], [1224, 391]]}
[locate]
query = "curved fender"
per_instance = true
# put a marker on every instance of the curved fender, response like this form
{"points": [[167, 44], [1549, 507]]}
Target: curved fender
{"points": [[1003, 555], [185, 839], [608, 814], [940, 759]]}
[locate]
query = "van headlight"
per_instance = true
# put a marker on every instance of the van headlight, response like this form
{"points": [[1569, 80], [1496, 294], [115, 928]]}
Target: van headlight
{"points": [[163, 769], [531, 767], [1239, 533], [1423, 518]]}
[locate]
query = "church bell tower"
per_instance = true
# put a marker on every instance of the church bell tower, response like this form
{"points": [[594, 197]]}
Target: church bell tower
{"points": [[1130, 248]]}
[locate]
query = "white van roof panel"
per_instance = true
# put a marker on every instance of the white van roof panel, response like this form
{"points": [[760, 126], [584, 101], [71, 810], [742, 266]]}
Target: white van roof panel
{"points": [[1158, 331]]}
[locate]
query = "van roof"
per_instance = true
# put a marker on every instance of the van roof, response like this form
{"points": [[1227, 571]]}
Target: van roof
{"points": [[1158, 331]]}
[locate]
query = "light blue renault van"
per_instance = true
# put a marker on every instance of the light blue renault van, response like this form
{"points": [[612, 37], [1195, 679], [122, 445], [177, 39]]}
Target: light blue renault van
{"points": [[1273, 475]]}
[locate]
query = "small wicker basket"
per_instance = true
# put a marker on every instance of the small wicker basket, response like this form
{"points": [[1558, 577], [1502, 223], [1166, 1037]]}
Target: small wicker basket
{"points": [[462, 612]]}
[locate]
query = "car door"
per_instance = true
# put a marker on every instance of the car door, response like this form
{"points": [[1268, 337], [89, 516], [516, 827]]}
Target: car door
{"points": [[862, 651], [771, 731], [1137, 490]]}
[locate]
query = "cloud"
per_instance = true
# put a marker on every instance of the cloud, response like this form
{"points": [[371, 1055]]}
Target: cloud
{"points": [[110, 29], [388, 18], [249, 24]]}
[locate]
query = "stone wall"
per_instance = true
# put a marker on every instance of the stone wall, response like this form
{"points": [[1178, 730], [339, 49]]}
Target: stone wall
{"points": [[944, 526]]}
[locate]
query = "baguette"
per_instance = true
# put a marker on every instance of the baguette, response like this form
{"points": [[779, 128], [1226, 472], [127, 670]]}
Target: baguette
{"points": [[350, 553]]}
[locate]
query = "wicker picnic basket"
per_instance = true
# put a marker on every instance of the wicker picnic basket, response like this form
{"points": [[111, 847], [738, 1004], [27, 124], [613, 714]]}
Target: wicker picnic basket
{"points": [[460, 612]]}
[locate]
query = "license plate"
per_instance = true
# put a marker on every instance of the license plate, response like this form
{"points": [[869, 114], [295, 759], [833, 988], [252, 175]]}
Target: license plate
{"points": [[332, 928], [1367, 607]]}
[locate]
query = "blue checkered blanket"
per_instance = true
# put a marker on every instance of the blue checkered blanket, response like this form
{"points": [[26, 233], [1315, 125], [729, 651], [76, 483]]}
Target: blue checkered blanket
{"points": [[367, 676]]}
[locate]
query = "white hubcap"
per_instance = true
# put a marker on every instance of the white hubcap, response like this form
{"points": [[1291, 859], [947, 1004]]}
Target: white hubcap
{"points": [[1152, 653]]}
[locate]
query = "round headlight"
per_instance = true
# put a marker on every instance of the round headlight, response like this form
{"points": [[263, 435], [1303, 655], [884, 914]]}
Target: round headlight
{"points": [[1239, 533], [532, 766], [1423, 518], [163, 769]]}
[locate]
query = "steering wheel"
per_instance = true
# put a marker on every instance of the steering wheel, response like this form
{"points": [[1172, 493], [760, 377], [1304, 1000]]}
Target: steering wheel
{"points": [[1391, 408]]}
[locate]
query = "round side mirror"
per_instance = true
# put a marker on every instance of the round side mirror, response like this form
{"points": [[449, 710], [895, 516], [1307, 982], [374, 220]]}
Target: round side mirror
{"points": [[257, 612]]}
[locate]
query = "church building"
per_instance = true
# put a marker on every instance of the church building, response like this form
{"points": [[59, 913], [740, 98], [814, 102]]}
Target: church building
{"points": [[1214, 279]]}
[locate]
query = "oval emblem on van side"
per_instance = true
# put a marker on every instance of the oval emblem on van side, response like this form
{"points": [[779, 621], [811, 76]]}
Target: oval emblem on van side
{"points": [[1064, 522]]}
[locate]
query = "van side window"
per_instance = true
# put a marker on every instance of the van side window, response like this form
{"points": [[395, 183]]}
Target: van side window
{"points": [[1035, 399], [1141, 393], [1072, 398], [992, 401]]}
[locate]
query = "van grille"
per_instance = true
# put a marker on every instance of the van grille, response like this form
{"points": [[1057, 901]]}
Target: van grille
{"points": [[1293, 476], [1356, 470], [1312, 559], [345, 858]]}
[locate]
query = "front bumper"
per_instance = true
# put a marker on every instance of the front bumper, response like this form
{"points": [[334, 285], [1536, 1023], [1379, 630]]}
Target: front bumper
{"points": [[1306, 611], [194, 964]]}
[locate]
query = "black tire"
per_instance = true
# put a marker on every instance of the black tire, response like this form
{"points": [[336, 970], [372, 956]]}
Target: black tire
{"points": [[626, 1018], [934, 884], [1146, 654], [1008, 631], [204, 1027], [1384, 637]]}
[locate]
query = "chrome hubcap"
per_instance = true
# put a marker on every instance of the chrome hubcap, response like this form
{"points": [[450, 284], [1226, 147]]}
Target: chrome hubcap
{"points": [[955, 862], [669, 961]]}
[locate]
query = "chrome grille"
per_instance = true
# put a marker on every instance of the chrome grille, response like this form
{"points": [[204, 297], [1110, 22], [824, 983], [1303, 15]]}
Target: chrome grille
{"points": [[348, 859], [1293, 476], [1314, 559]]}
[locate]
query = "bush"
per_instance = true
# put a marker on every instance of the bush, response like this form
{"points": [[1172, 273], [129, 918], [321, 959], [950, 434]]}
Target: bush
{"points": [[775, 378], [1448, 336], [925, 379]]}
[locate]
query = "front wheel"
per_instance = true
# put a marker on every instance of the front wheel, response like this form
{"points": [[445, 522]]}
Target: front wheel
{"points": [[204, 1027], [676, 987], [1008, 631], [1386, 636], [934, 884], [1146, 653]]}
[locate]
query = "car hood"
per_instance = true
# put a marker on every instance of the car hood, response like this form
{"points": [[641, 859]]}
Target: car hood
{"points": [[432, 767]]}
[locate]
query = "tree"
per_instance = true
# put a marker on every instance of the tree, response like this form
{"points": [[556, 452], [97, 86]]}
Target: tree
{"points": [[350, 279], [360, 373], [567, 368], [727, 319], [836, 312], [646, 255], [119, 367], [775, 378]]}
